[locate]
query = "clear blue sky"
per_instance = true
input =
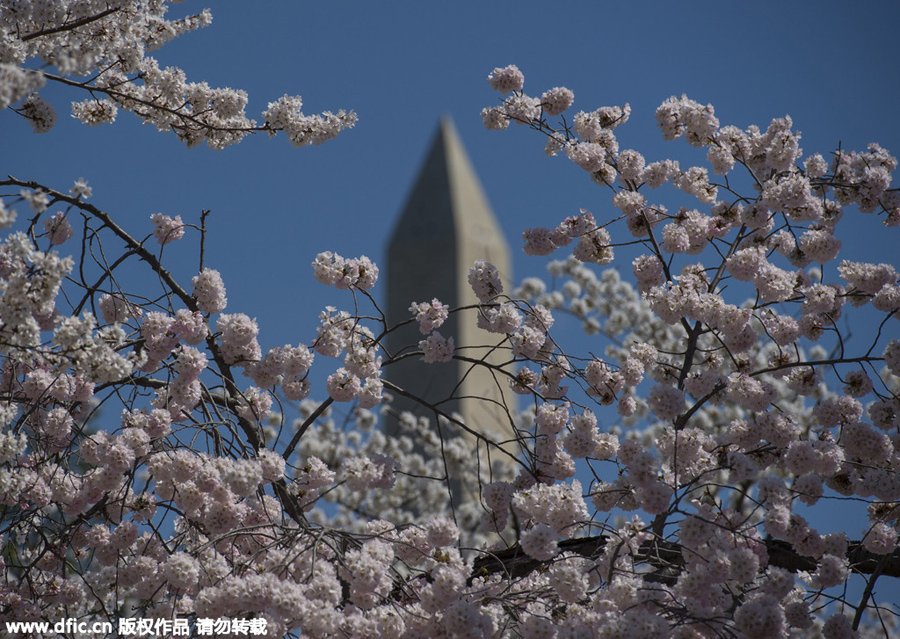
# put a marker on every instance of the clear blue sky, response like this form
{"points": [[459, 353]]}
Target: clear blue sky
{"points": [[832, 66]]}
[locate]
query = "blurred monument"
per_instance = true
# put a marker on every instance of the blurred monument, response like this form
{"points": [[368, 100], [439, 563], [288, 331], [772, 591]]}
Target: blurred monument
{"points": [[444, 227]]}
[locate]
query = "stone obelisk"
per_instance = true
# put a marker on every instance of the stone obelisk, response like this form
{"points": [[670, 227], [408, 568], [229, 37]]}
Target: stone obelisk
{"points": [[445, 226]]}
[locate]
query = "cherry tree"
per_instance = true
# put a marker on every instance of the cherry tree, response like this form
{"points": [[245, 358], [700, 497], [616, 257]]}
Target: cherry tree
{"points": [[161, 469], [99, 48]]}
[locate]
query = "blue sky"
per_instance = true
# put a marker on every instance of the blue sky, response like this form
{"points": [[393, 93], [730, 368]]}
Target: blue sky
{"points": [[400, 65]]}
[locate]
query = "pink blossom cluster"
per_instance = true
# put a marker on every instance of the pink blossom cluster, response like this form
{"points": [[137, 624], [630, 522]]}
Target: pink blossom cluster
{"points": [[531, 338], [309, 479], [603, 382], [180, 397], [167, 229], [237, 341], [583, 227], [58, 228], [584, 439], [116, 309], [520, 107], [688, 453], [285, 365], [367, 570], [682, 116], [504, 318], [40, 114], [556, 100], [360, 376], [333, 270], [254, 405], [507, 79], [437, 348], [485, 281], [864, 179], [558, 506], [209, 291], [719, 558], [430, 315], [366, 473], [303, 130], [31, 282]]}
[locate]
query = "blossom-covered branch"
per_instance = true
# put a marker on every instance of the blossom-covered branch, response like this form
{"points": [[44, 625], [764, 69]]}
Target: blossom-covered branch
{"points": [[754, 406], [107, 43]]}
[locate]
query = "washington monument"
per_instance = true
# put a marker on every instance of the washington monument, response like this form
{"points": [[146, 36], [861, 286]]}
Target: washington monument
{"points": [[445, 225]]}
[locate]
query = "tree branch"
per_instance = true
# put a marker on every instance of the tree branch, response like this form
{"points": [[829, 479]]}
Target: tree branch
{"points": [[666, 559], [70, 25]]}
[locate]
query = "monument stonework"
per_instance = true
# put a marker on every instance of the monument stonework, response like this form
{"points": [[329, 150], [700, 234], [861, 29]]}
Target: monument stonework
{"points": [[445, 226]]}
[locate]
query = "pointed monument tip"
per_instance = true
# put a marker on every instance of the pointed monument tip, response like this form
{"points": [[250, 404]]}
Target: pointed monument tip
{"points": [[447, 199], [446, 130], [446, 121]]}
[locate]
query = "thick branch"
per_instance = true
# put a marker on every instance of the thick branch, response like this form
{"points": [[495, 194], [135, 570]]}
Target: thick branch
{"points": [[69, 26], [666, 559]]}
